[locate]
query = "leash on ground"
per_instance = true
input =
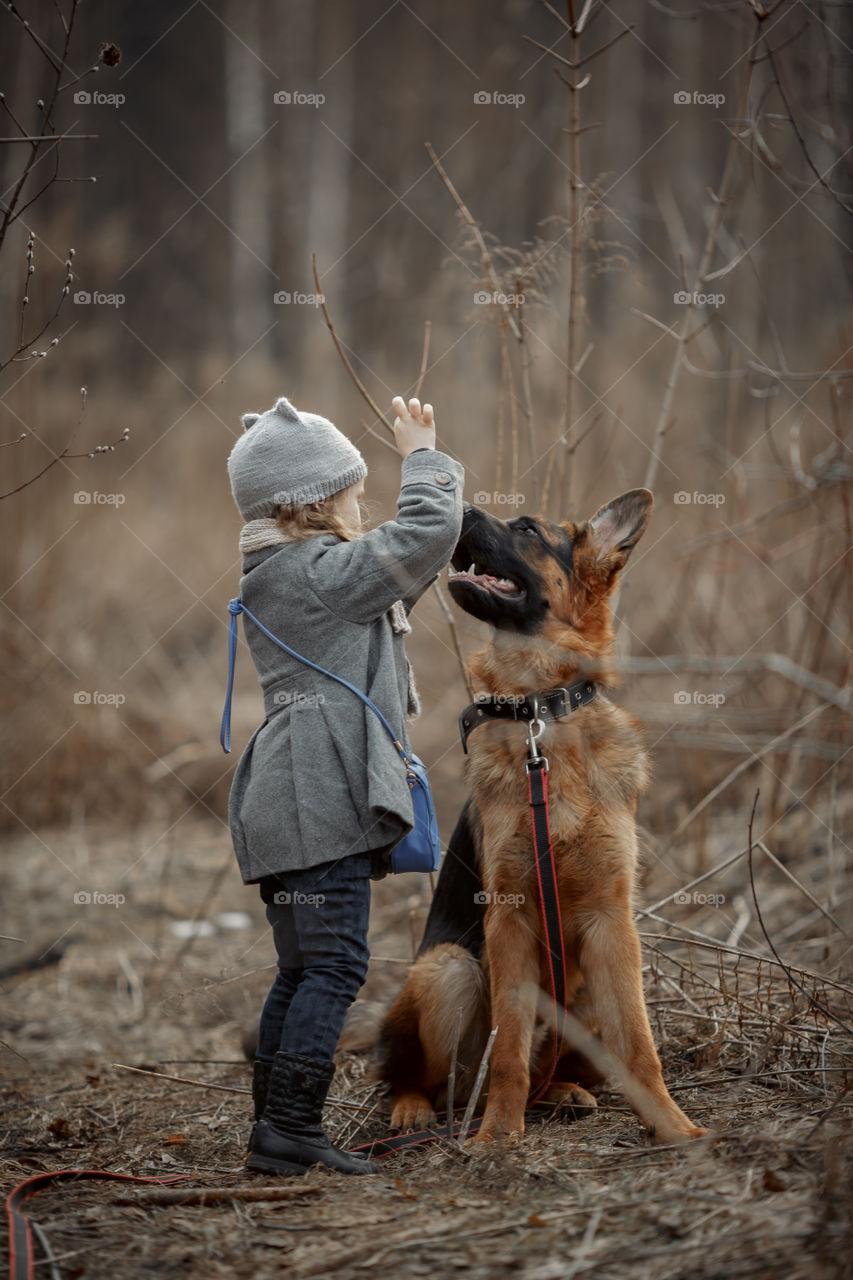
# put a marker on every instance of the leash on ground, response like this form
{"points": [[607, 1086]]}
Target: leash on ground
{"points": [[21, 1253]]}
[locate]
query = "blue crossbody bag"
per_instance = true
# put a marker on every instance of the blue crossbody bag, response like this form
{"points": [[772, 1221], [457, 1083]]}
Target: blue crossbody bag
{"points": [[420, 849]]}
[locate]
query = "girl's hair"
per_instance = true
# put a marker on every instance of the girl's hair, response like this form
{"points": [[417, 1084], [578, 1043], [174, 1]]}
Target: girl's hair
{"points": [[301, 521]]}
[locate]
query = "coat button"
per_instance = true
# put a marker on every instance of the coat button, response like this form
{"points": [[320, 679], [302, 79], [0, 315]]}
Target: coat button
{"points": [[442, 477]]}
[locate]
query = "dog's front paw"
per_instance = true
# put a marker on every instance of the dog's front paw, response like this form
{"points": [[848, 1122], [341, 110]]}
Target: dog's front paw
{"points": [[508, 1129], [683, 1133], [412, 1111]]}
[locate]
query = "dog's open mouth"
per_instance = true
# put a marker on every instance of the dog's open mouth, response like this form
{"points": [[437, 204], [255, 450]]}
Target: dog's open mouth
{"points": [[480, 577], [491, 578]]}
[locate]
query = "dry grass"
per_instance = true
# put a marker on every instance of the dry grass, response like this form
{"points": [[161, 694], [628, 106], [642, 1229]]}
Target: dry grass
{"points": [[744, 1052]]}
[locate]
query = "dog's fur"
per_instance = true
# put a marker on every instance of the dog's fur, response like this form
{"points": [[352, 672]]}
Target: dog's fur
{"points": [[483, 963]]}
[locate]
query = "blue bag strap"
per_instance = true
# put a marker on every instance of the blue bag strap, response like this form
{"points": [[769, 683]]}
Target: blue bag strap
{"points": [[234, 608]]}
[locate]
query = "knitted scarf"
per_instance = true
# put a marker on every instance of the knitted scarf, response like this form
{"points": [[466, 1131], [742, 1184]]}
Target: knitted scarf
{"points": [[257, 535]]}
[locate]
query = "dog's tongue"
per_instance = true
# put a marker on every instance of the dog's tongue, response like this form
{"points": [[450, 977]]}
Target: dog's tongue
{"points": [[502, 584], [489, 580]]}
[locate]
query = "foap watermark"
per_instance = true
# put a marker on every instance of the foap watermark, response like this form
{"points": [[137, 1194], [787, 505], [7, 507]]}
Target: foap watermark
{"points": [[94, 498], [498, 499], [296, 497], [503, 699], [285, 299], [285, 898], [683, 298], [499, 899], [85, 698], [686, 98], [83, 898], [696, 698], [85, 298], [496, 98], [483, 298], [94, 98], [292, 698], [296, 98], [684, 499], [697, 899]]}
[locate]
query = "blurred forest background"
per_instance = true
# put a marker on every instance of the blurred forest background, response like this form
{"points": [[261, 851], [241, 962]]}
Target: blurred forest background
{"points": [[658, 214]]}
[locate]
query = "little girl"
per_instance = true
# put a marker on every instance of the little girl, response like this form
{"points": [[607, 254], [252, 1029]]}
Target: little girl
{"points": [[319, 797]]}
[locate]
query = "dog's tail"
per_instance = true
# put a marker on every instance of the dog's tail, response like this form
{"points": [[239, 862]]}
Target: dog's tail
{"points": [[445, 997]]}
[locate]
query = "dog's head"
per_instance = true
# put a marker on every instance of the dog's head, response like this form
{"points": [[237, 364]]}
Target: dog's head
{"points": [[532, 578]]}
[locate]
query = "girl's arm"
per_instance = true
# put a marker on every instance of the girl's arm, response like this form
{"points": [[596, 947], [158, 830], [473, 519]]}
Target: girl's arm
{"points": [[360, 580]]}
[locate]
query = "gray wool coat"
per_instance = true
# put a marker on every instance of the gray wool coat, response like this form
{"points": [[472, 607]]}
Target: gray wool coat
{"points": [[320, 777]]}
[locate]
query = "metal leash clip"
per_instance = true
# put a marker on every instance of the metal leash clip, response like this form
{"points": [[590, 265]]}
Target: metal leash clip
{"points": [[535, 729]]}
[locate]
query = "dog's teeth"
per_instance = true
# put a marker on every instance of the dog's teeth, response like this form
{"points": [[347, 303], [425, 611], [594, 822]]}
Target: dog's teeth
{"points": [[473, 569]]}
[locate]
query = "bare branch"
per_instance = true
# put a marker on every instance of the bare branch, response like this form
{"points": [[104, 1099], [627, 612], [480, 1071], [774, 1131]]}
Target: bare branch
{"points": [[485, 256], [352, 373], [801, 140], [66, 452], [794, 981], [741, 769], [778, 664], [424, 359]]}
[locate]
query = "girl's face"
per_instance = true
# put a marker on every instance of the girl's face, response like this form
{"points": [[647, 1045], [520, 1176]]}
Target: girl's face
{"points": [[347, 504]]}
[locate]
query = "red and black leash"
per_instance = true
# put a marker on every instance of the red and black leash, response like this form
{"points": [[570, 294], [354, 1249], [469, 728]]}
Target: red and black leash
{"points": [[21, 1254], [549, 901]]}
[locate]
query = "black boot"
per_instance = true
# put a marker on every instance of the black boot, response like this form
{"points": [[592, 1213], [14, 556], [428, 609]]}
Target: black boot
{"points": [[289, 1137], [260, 1084]]}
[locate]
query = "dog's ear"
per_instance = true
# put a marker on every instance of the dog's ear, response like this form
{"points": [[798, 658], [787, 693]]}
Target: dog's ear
{"points": [[618, 526]]}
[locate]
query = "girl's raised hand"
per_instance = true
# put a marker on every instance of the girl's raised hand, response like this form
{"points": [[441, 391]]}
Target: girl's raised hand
{"points": [[414, 428]]}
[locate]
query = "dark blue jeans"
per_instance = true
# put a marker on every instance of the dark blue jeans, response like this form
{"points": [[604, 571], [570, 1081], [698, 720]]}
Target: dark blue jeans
{"points": [[319, 917]]}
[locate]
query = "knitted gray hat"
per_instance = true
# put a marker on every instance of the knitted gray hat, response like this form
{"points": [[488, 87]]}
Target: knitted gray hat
{"points": [[288, 457]]}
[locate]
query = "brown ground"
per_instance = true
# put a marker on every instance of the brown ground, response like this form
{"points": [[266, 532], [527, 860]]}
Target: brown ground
{"points": [[744, 1052]]}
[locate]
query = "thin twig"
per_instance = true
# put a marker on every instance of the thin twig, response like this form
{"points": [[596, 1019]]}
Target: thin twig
{"points": [[49, 1255], [485, 256], [788, 971], [743, 955], [454, 638], [802, 888], [740, 769], [358, 382], [215, 1195], [478, 1084], [424, 358], [798, 135], [778, 664], [451, 1075], [197, 1084], [714, 226], [706, 875]]}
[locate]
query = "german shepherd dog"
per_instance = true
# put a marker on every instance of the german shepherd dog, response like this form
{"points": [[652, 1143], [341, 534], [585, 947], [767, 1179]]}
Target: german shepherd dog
{"points": [[544, 590]]}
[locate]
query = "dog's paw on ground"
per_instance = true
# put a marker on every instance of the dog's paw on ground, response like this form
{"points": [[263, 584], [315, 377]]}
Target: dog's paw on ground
{"points": [[412, 1111], [672, 1137], [491, 1135]]}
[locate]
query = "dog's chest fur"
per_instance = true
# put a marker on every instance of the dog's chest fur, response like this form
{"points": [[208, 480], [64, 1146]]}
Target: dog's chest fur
{"points": [[597, 768]]}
